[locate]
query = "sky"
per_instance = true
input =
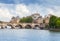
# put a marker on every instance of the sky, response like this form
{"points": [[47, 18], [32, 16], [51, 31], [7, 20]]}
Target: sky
{"points": [[22, 8]]}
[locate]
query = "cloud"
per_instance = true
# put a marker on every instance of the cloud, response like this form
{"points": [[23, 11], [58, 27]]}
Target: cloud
{"points": [[5, 13], [54, 11], [9, 10], [44, 10], [21, 10]]}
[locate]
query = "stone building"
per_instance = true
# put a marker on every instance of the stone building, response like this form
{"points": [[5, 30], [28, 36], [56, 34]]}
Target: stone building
{"points": [[15, 19], [37, 18], [47, 18]]}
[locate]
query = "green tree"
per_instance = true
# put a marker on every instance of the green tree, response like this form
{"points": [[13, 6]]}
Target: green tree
{"points": [[58, 23], [26, 20], [52, 22]]}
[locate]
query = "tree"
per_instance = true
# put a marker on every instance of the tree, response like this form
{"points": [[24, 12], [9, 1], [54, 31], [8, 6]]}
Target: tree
{"points": [[52, 21], [26, 19], [58, 23]]}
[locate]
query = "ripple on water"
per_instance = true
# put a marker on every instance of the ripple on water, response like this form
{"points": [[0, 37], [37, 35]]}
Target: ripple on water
{"points": [[28, 35]]}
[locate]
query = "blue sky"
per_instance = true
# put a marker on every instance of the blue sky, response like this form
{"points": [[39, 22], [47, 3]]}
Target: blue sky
{"points": [[10, 8]]}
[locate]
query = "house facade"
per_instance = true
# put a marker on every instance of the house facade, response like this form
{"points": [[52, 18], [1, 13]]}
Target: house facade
{"points": [[15, 19]]}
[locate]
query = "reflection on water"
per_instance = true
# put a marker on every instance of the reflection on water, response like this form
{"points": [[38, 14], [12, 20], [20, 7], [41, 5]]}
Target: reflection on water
{"points": [[28, 35]]}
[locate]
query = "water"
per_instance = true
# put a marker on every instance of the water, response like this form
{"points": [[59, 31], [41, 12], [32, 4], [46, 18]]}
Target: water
{"points": [[28, 35]]}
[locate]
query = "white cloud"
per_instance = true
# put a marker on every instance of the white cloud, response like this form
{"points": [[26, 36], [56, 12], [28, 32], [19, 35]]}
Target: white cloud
{"points": [[50, 11], [43, 10], [5, 13], [55, 11], [21, 10], [9, 10]]}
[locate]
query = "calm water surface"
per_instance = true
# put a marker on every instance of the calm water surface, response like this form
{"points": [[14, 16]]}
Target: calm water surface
{"points": [[28, 35]]}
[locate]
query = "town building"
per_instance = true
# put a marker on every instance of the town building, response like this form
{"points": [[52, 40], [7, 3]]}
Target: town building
{"points": [[15, 19], [37, 18], [47, 18]]}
